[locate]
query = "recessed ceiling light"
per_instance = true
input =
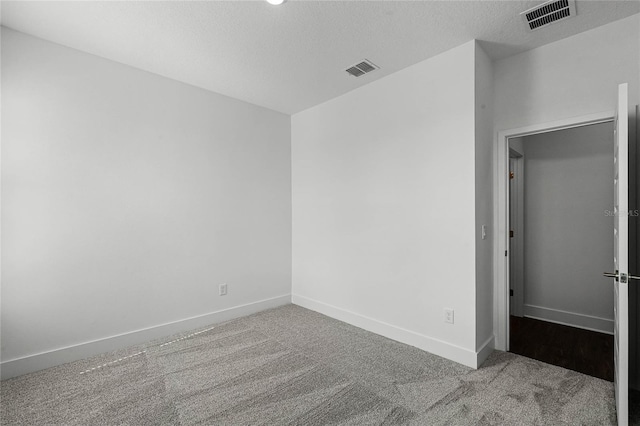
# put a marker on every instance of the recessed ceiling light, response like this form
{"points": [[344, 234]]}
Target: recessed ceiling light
{"points": [[276, 2]]}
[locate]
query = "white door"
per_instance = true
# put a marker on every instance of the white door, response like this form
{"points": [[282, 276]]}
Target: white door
{"points": [[620, 257], [513, 215], [516, 229]]}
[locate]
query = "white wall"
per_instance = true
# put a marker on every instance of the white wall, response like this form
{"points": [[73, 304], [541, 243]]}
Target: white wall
{"points": [[567, 233], [575, 76], [383, 205], [515, 144], [127, 199], [484, 198]]}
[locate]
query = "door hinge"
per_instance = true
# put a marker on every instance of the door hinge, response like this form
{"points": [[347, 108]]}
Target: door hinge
{"points": [[511, 175], [511, 233], [505, 253], [510, 292]]}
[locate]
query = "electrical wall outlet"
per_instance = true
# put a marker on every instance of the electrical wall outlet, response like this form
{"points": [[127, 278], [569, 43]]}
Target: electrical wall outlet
{"points": [[448, 315], [223, 289]]}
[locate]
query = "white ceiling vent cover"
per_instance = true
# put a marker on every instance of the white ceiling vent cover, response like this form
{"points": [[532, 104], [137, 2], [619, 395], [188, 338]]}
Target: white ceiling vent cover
{"points": [[548, 13], [362, 68]]}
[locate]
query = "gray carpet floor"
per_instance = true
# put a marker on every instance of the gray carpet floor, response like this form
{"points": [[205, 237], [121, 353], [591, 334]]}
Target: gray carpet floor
{"points": [[292, 366]]}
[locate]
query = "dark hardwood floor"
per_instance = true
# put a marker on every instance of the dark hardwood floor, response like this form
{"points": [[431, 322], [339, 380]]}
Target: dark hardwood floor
{"points": [[634, 407], [588, 352]]}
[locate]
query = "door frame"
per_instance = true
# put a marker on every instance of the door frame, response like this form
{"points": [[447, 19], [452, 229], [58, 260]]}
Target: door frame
{"points": [[501, 212]]}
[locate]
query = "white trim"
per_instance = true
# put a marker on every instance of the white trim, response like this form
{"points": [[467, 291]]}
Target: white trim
{"points": [[35, 362], [485, 350], [501, 208], [429, 344], [572, 319]]}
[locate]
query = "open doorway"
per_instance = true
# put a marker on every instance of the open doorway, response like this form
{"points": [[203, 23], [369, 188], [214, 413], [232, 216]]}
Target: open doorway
{"points": [[561, 308], [623, 234]]}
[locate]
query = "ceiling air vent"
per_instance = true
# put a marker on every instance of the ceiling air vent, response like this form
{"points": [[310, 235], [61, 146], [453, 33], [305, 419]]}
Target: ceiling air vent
{"points": [[548, 13], [362, 68]]}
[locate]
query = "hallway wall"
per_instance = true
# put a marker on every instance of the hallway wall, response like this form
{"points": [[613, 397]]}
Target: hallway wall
{"points": [[568, 225]]}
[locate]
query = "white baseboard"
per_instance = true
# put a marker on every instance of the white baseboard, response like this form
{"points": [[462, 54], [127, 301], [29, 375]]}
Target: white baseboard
{"points": [[587, 322], [435, 346], [31, 363], [485, 350]]}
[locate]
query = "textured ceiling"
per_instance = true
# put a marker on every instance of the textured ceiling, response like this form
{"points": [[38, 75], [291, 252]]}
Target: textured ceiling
{"points": [[290, 57]]}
